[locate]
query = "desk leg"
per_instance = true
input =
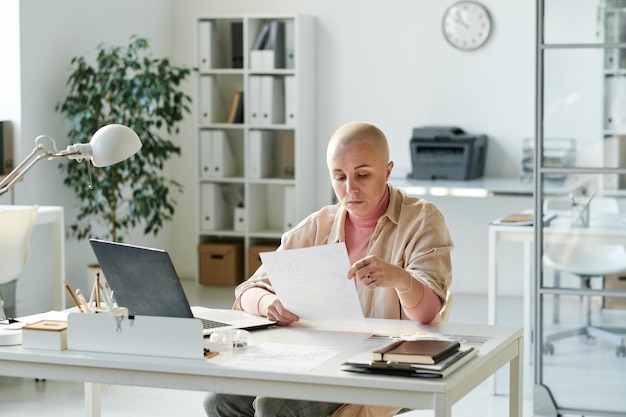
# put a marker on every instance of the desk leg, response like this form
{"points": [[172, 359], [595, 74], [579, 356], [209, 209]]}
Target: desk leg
{"points": [[492, 294], [492, 284], [443, 408], [529, 286], [92, 399], [515, 383], [58, 249]]}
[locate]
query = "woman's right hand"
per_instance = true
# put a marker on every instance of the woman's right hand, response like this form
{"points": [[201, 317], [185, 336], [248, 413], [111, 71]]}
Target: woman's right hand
{"points": [[274, 310]]}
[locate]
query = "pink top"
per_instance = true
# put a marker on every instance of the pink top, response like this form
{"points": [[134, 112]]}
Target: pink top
{"points": [[358, 232]]}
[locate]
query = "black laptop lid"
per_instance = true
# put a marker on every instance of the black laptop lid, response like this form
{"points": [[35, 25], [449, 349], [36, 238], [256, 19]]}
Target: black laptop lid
{"points": [[142, 279]]}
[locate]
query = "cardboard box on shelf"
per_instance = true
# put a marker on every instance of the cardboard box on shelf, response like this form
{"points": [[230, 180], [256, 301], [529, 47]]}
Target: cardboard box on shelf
{"points": [[617, 282], [221, 263], [254, 260]]}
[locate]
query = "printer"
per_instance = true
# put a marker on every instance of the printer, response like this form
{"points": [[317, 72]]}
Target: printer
{"points": [[447, 152]]}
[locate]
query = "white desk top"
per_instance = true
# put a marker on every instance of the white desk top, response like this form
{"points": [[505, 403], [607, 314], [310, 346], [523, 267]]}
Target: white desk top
{"points": [[325, 382], [478, 187]]}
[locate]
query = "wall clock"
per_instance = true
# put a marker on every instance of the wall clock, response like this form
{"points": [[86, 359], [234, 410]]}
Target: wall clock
{"points": [[466, 25]]}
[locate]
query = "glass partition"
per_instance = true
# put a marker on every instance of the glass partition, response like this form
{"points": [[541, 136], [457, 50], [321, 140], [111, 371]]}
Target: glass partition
{"points": [[580, 255]]}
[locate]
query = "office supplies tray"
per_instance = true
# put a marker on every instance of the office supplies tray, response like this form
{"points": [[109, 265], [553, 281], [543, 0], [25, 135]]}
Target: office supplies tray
{"points": [[136, 335]]}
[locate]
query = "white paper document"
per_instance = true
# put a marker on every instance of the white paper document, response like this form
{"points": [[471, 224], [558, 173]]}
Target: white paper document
{"points": [[284, 357], [313, 283]]}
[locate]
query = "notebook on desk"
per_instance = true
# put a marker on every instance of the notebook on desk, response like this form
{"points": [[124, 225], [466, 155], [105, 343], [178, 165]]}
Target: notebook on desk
{"points": [[144, 281]]}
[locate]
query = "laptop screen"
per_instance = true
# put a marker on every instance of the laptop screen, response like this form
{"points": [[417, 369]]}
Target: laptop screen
{"points": [[142, 279]]}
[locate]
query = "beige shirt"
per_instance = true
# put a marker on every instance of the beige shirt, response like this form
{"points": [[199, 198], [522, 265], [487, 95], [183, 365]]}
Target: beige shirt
{"points": [[412, 234]]}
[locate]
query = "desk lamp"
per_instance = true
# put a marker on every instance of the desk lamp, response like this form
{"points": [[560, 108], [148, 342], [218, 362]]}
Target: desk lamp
{"points": [[109, 145]]}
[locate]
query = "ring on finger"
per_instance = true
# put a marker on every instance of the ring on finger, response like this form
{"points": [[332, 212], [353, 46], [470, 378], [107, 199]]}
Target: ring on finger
{"points": [[369, 278]]}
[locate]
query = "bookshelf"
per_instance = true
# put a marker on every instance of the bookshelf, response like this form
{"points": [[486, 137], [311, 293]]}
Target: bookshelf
{"points": [[613, 31], [255, 170]]}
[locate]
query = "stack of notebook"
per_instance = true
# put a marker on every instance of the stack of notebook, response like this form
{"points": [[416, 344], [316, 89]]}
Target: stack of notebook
{"points": [[432, 358]]}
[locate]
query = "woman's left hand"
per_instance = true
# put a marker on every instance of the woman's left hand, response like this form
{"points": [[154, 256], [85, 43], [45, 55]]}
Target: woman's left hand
{"points": [[374, 272]]}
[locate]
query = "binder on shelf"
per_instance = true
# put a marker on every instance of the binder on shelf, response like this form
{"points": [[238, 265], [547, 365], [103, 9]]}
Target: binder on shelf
{"points": [[290, 44], [286, 165], [261, 37], [289, 207], [236, 44], [261, 155], [257, 52], [254, 100], [235, 114], [213, 211], [275, 46], [216, 156], [207, 45], [206, 99], [272, 100], [268, 49], [239, 219], [223, 158], [290, 100]]}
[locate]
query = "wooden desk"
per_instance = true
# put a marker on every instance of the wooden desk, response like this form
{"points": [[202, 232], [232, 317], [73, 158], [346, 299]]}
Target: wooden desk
{"points": [[53, 215], [325, 382]]}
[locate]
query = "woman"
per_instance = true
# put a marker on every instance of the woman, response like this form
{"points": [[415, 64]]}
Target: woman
{"points": [[399, 248]]}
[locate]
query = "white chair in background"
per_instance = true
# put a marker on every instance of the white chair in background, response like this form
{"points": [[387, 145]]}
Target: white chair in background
{"points": [[586, 261], [16, 225]]}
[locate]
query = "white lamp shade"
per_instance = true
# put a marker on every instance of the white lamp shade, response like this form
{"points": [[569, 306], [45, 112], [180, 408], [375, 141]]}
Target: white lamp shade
{"points": [[112, 144]]}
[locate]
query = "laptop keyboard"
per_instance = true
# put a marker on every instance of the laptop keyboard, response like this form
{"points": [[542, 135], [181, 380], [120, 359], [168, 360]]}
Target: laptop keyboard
{"points": [[212, 324]]}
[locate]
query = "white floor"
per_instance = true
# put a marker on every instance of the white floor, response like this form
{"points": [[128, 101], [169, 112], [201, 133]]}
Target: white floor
{"points": [[25, 397]]}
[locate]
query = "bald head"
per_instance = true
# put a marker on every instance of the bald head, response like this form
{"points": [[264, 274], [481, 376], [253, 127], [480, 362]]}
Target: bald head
{"points": [[356, 133]]}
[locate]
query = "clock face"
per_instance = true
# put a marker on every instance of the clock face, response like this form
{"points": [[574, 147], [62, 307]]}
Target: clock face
{"points": [[466, 25]]}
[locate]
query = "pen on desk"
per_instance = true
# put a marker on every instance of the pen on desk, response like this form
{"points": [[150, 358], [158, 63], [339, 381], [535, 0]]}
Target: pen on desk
{"points": [[107, 299], [82, 300], [67, 287], [98, 290]]}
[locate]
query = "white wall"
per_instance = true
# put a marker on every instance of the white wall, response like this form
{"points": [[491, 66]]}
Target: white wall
{"points": [[389, 64], [51, 33], [10, 68]]}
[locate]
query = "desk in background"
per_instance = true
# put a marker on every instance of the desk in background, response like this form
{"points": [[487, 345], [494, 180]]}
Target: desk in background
{"points": [[525, 235], [469, 206], [52, 215], [478, 187], [325, 382]]}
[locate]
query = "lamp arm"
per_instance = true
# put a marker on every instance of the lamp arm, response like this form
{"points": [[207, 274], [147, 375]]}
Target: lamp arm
{"points": [[38, 153]]}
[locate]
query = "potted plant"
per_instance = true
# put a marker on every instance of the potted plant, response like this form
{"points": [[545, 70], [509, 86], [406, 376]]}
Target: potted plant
{"points": [[126, 86]]}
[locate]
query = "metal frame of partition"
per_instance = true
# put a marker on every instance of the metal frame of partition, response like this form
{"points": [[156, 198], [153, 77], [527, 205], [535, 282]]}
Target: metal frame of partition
{"points": [[544, 403]]}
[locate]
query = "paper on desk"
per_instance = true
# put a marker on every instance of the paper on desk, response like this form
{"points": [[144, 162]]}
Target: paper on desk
{"points": [[284, 357], [312, 282], [24, 320]]}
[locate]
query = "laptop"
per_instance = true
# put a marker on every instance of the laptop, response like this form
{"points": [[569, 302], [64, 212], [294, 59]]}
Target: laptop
{"points": [[144, 281]]}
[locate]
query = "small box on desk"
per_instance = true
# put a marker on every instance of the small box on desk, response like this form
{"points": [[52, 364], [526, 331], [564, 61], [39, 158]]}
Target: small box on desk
{"points": [[221, 263], [254, 260], [615, 282], [45, 334]]}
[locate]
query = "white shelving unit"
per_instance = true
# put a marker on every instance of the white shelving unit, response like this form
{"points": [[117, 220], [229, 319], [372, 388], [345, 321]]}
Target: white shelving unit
{"points": [[613, 26], [255, 173]]}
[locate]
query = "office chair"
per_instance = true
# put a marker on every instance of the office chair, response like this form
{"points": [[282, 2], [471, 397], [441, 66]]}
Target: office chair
{"points": [[447, 308], [15, 229], [586, 261]]}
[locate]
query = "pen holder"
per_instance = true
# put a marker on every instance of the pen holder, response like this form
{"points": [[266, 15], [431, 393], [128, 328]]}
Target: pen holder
{"points": [[117, 311]]}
